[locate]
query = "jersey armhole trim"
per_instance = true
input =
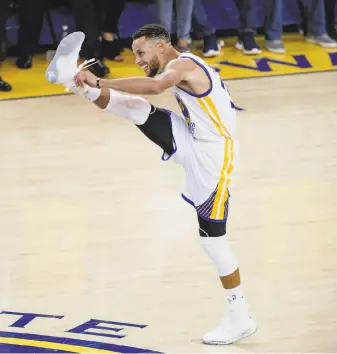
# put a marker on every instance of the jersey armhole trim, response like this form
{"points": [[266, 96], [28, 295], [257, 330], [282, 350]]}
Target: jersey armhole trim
{"points": [[208, 75]]}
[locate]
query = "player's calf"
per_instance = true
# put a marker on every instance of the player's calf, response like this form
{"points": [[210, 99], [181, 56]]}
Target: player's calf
{"points": [[153, 122], [238, 324]]}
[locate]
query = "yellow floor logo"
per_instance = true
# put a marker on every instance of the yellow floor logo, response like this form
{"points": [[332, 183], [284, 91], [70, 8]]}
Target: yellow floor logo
{"points": [[301, 57], [12, 342]]}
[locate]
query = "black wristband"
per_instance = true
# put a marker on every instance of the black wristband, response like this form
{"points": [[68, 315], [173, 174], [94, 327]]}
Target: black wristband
{"points": [[97, 82]]}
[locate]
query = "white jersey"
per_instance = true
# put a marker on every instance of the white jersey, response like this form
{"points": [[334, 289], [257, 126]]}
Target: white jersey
{"points": [[211, 114], [205, 144]]}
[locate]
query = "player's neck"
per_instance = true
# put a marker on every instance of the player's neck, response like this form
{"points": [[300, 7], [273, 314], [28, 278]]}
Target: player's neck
{"points": [[170, 55]]}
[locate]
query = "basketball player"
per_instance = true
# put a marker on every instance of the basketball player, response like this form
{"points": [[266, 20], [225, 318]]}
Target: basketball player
{"points": [[203, 142]]}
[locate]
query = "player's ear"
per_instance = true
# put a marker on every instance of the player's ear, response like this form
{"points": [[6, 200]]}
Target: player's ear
{"points": [[160, 46]]}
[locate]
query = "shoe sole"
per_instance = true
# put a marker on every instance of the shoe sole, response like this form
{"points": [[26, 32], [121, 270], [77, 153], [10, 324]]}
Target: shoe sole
{"points": [[211, 53], [248, 52], [242, 335], [277, 51], [324, 45], [63, 51]]}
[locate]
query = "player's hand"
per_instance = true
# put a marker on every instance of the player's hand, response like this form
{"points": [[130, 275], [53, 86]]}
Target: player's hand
{"points": [[85, 77]]}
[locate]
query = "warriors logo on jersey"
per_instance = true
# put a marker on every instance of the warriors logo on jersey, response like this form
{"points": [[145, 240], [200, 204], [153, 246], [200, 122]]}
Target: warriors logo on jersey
{"points": [[185, 113]]}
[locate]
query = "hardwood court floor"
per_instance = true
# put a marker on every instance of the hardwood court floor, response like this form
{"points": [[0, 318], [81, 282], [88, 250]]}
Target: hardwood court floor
{"points": [[93, 227]]}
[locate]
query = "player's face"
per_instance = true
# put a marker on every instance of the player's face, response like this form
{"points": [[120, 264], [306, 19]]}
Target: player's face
{"points": [[147, 55]]}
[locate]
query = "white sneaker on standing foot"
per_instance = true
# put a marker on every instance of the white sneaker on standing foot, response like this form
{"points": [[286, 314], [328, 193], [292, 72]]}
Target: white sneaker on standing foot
{"points": [[63, 67], [237, 325]]}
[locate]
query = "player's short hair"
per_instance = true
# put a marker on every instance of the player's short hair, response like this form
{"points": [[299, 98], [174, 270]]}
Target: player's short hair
{"points": [[153, 31]]}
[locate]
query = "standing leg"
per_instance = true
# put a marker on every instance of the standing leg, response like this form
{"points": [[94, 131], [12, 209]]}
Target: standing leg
{"points": [[246, 42], [330, 7], [214, 241], [247, 15], [112, 46], [87, 21], [164, 13], [315, 14], [184, 22], [113, 14], [273, 25], [31, 21], [303, 21], [4, 86], [205, 29], [3, 20], [314, 11]]}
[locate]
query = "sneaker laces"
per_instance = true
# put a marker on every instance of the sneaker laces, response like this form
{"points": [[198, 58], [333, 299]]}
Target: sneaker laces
{"points": [[86, 64]]}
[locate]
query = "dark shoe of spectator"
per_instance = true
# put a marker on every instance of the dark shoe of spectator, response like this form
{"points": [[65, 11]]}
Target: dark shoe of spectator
{"points": [[5, 86], [112, 50], [99, 69], [211, 46], [247, 44], [24, 62]]}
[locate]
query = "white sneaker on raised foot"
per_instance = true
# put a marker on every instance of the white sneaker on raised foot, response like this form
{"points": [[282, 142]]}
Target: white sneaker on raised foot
{"points": [[236, 326], [63, 67]]}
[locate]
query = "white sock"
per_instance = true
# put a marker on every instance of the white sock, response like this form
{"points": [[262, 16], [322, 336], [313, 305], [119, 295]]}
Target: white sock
{"points": [[234, 293], [134, 108]]}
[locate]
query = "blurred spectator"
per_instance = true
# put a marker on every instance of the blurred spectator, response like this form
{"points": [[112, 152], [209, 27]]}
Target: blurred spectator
{"points": [[87, 21], [183, 10], [30, 20], [273, 26], [246, 41], [110, 12], [4, 86], [330, 10], [273, 10], [205, 30], [315, 31]]}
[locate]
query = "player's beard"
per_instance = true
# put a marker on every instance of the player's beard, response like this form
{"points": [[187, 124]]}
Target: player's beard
{"points": [[153, 67]]}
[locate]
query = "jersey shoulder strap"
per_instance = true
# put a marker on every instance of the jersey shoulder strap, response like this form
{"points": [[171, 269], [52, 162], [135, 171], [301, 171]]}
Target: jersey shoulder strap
{"points": [[196, 59], [203, 66]]}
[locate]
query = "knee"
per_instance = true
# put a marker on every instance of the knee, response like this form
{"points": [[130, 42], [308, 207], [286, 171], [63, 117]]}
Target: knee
{"points": [[218, 249]]}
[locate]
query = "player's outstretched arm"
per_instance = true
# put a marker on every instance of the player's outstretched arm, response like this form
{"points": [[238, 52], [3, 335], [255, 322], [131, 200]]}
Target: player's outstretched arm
{"points": [[175, 72]]}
